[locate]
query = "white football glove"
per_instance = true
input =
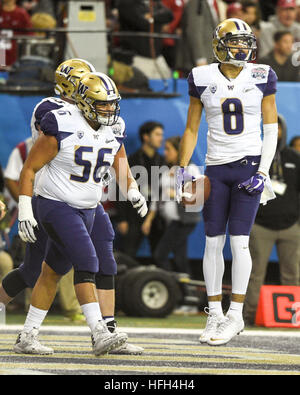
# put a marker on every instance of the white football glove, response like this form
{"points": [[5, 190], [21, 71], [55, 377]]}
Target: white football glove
{"points": [[27, 222], [138, 201]]}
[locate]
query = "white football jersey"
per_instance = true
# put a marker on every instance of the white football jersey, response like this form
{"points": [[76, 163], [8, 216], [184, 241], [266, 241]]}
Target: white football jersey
{"points": [[74, 175], [39, 111], [233, 109]]}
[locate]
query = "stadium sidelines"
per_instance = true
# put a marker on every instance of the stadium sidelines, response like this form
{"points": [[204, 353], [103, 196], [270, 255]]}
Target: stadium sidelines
{"points": [[171, 331]]}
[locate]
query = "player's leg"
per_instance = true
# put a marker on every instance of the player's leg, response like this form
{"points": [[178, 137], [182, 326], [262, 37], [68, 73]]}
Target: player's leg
{"points": [[81, 252], [41, 299], [102, 236], [28, 272], [66, 246], [215, 214], [67, 298], [243, 209]]}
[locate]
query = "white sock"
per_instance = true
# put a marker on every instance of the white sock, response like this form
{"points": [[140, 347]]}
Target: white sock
{"points": [[241, 264], [215, 307], [213, 264], [34, 319], [236, 309], [92, 314]]}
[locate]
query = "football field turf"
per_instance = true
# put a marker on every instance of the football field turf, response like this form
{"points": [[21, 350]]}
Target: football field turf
{"points": [[168, 351]]}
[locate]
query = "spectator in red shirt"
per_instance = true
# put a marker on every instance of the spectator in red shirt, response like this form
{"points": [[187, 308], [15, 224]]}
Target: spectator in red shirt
{"points": [[12, 17], [169, 44]]}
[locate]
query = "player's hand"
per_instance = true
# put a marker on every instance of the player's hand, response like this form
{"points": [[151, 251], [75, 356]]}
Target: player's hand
{"points": [[138, 201], [254, 185], [27, 222], [182, 176]]}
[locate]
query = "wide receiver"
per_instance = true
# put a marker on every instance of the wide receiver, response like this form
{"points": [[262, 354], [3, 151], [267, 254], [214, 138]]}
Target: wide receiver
{"points": [[75, 149], [235, 94]]}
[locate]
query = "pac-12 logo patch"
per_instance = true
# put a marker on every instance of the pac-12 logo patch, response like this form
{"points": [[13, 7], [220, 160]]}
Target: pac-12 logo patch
{"points": [[213, 88], [80, 134], [259, 73]]}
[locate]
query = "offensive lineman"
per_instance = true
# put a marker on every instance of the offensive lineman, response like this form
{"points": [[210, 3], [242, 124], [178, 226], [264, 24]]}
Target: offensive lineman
{"points": [[76, 151], [235, 95], [67, 78]]}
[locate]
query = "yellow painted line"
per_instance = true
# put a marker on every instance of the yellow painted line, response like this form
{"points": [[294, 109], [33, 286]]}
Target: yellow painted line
{"points": [[144, 369], [183, 350], [181, 359], [168, 349]]}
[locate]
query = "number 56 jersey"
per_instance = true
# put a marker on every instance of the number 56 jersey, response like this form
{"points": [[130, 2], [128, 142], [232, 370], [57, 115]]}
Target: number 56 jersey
{"points": [[233, 109], [84, 155]]}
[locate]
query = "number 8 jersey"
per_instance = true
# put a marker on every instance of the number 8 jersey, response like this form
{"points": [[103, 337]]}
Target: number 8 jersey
{"points": [[232, 108], [84, 155]]}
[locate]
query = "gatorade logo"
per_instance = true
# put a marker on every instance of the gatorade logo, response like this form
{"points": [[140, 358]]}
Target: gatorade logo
{"points": [[283, 308], [279, 306]]}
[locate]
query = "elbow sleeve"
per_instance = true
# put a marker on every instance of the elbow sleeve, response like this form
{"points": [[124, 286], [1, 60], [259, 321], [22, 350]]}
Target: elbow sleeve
{"points": [[269, 144]]}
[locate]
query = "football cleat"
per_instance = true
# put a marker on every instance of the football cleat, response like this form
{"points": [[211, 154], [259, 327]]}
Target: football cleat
{"points": [[28, 343], [230, 327], [212, 323], [104, 341], [126, 348]]}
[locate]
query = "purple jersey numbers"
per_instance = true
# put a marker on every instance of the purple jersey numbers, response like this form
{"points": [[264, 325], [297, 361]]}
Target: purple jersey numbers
{"points": [[81, 162], [87, 165], [233, 119], [101, 162]]}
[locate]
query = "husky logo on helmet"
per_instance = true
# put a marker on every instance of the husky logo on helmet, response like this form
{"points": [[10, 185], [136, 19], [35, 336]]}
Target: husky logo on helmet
{"points": [[234, 43], [98, 98], [82, 89], [66, 70], [67, 76]]}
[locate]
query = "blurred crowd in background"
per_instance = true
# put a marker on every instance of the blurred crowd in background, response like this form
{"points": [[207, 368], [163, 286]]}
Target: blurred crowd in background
{"points": [[276, 24]]}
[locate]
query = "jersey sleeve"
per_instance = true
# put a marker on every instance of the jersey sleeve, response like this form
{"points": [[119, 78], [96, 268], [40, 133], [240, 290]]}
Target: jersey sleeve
{"points": [[271, 85], [45, 107], [49, 127], [192, 87], [195, 90]]}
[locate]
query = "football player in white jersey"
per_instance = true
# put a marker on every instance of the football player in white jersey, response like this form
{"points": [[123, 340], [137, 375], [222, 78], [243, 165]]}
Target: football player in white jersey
{"points": [[235, 95], [67, 76], [76, 151]]}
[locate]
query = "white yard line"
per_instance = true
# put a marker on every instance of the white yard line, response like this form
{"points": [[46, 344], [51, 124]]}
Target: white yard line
{"points": [[163, 331]]}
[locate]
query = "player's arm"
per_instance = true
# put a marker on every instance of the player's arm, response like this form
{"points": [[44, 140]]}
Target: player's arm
{"points": [[190, 135], [188, 144], [256, 183], [270, 133], [42, 152], [127, 183]]}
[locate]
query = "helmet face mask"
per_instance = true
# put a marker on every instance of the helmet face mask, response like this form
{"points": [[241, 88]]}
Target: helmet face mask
{"points": [[107, 112], [98, 98], [234, 43]]}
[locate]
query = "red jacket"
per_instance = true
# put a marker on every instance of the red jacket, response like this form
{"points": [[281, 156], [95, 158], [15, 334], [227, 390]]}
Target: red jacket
{"points": [[176, 6], [16, 19]]}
